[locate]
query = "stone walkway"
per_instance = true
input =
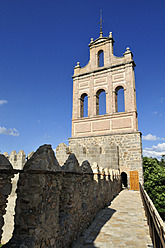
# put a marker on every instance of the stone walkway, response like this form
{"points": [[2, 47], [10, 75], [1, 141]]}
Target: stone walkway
{"points": [[122, 224]]}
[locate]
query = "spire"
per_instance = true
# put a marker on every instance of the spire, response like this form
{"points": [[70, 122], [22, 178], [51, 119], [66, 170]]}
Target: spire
{"points": [[101, 22]]}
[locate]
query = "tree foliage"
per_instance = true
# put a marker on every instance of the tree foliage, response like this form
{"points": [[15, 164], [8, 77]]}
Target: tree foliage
{"points": [[154, 182]]}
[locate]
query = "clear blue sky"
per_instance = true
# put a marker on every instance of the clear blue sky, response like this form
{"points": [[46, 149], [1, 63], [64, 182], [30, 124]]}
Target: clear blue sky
{"points": [[41, 42]]}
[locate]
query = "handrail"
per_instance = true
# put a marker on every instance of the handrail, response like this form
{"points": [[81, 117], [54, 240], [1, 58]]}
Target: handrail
{"points": [[156, 225]]}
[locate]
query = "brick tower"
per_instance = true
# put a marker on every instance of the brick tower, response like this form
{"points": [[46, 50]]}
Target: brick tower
{"points": [[111, 139]]}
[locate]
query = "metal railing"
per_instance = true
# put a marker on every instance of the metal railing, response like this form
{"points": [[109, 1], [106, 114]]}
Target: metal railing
{"points": [[156, 225]]}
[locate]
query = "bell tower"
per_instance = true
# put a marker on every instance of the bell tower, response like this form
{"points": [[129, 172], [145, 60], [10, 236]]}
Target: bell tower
{"points": [[104, 73], [112, 138]]}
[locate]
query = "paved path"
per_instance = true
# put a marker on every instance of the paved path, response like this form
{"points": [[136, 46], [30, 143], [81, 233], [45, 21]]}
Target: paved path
{"points": [[122, 224]]}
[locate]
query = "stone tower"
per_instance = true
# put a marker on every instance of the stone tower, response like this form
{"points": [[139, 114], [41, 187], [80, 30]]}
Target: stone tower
{"points": [[111, 139]]}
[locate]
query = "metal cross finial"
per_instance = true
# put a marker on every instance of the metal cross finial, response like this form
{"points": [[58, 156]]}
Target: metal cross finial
{"points": [[101, 22]]}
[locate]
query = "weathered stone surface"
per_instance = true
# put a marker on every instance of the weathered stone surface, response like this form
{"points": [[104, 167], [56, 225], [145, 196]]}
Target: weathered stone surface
{"points": [[17, 160], [37, 209], [5, 187], [53, 209], [62, 153], [86, 167], [72, 164], [93, 150], [43, 159], [126, 154], [4, 163]]}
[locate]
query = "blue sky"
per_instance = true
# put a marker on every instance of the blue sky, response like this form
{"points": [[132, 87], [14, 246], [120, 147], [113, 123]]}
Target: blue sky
{"points": [[41, 42]]}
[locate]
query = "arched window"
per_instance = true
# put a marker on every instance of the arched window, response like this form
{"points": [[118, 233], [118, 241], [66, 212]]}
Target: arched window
{"points": [[101, 102], [84, 105], [119, 99], [100, 58]]}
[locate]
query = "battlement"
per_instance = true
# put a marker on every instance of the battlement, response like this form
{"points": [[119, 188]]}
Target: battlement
{"points": [[55, 204], [17, 160]]}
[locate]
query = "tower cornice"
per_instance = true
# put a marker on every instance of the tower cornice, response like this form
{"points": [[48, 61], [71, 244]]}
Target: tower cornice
{"points": [[132, 63]]}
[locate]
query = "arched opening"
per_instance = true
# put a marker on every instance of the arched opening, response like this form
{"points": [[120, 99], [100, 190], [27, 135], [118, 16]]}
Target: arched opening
{"points": [[100, 58], [84, 150], [119, 99], [101, 102], [124, 179], [84, 105]]}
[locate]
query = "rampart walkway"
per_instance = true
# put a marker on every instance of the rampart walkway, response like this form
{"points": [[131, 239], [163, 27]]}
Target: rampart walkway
{"points": [[122, 224]]}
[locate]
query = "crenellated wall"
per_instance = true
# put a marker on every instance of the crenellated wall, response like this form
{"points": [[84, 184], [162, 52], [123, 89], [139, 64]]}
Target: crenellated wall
{"points": [[55, 204], [6, 173], [17, 161]]}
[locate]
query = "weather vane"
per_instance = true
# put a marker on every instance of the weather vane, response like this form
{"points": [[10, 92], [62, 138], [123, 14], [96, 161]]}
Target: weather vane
{"points": [[101, 24]]}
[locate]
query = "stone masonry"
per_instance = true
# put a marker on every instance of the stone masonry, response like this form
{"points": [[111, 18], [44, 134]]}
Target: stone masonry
{"points": [[6, 174], [55, 204], [128, 156], [112, 140], [17, 161]]}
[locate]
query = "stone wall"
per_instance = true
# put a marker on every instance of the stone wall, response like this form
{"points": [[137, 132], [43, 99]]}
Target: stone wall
{"points": [[129, 155], [63, 152], [8, 226], [104, 153], [55, 204], [122, 151], [6, 173], [17, 161]]}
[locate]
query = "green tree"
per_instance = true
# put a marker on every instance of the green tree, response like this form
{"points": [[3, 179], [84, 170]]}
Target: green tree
{"points": [[154, 182], [162, 162]]}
